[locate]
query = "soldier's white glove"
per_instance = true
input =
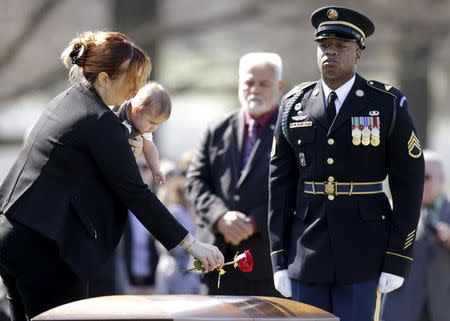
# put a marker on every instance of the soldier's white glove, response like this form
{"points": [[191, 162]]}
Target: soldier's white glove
{"points": [[282, 283], [389, 282]]}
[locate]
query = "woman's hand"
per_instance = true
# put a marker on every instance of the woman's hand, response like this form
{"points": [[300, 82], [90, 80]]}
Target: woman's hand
{"points": [[136, 144], [209, 255]]}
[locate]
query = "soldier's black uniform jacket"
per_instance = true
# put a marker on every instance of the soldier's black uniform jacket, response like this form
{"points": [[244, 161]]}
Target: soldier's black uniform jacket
{"points": [[343, 238]]}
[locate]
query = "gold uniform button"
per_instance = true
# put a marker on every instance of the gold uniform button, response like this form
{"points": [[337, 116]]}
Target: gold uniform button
{"points": [[330, 141], [331, 197], [331, 179], [330, 161]]}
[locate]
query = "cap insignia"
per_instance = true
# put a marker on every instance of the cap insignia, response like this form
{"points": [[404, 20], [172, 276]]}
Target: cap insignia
{"points": [[332, 14]]}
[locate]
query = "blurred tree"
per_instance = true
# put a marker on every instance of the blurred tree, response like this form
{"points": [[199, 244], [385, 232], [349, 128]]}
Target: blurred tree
{"points": [[131, 15], [38, 16]]}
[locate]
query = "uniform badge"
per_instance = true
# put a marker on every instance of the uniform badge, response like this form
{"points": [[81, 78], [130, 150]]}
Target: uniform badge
{"points": [[414, 148], [299, 117], [374, 113], [300, 124], [302, 159], [298, 106]]}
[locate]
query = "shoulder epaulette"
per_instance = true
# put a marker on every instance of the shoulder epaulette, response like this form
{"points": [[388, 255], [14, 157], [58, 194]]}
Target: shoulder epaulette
{"points": [[300, 87], [385, 88], [394, 92]]}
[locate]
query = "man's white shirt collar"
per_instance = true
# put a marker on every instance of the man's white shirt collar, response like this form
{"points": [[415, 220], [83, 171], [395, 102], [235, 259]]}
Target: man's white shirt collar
{"points": [[341, 92]]}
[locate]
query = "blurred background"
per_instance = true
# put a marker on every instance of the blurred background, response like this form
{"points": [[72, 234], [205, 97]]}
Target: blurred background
{"points": [[195, 46]]}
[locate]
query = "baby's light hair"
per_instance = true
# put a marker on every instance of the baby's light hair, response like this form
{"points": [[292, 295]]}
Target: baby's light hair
{"points": [[153, 99], [261, 58]]}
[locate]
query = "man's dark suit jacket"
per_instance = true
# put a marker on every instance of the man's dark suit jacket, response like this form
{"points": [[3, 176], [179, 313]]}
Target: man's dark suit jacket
{"points": [[216, 185], [428, 285], [75, 178]]}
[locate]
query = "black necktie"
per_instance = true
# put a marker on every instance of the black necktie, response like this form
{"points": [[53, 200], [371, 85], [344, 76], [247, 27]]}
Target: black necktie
{"points": [[331, 107]]}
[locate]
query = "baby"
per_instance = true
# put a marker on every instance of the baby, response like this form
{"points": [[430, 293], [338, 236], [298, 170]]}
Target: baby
{"points": [[142, 115]]}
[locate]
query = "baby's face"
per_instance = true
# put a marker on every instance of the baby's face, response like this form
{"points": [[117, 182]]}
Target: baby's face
{"points": [[145, 122]]}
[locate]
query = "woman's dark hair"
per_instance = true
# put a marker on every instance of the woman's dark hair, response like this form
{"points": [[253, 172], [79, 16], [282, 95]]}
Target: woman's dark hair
{"points": [[105, 51]]}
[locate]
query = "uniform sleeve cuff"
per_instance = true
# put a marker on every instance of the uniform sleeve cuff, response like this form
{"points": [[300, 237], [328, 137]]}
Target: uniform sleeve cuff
{"points": [[278, 258], [397, 264]]}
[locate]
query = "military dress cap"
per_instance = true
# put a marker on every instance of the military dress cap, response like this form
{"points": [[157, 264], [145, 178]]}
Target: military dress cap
{"points": [[340, 22]]}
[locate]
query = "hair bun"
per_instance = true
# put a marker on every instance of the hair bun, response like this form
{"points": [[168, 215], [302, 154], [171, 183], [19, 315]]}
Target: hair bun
{"points": [[78, 54]]}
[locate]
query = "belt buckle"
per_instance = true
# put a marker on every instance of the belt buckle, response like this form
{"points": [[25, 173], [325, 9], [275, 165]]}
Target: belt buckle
{"points": [[330, 187]]}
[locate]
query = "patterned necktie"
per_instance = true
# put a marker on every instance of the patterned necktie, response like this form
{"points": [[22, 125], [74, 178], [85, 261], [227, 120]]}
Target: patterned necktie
{"points": [[250, 142], [331, 107]]}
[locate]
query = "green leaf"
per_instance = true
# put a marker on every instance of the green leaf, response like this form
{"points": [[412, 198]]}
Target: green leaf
{"points": [[198, 265]]}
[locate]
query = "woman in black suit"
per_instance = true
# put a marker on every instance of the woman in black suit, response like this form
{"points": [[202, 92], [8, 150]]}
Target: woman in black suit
{"points": [[64, 202]]}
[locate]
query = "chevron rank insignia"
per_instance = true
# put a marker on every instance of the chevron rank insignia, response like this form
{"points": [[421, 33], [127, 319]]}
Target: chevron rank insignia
{"points": [[414, 148]]}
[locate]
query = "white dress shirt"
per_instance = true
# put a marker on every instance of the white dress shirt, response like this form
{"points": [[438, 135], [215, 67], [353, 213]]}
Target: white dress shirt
{"points": [[341, 92]]}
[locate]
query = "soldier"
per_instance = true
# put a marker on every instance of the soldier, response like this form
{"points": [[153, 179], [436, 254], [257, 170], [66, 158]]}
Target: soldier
{"points": [[334, 237]]}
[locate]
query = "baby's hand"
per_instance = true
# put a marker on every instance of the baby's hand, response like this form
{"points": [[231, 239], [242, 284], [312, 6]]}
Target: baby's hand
{"points": [[159, 176]]}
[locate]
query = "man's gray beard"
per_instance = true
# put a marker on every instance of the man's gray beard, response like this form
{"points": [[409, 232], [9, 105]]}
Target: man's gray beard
{"points": [[257, 107]]}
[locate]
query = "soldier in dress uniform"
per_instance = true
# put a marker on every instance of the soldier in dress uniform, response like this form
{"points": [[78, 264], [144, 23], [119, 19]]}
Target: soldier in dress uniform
{"points": [[336, 242]]}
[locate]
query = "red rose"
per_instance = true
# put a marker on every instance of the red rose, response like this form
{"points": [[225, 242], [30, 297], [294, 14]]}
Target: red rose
{"points": [[244, 261]]}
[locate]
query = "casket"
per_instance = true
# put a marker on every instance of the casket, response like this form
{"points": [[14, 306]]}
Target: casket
{"points": [[186, 307]]}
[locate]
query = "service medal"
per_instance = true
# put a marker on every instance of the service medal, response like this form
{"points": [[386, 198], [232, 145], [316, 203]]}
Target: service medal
{"points": [[365, 133], [374, 122], [375, 142], [356, 131], [356, 141], [375, 132], [365, 141]]}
